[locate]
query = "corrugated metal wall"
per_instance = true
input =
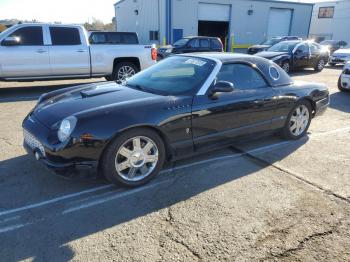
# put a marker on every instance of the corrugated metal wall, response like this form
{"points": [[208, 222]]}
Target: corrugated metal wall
{"points": [[247, 29]]}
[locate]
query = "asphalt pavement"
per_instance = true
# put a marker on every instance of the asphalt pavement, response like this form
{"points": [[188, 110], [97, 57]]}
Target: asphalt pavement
{"points": [[263, 200]]}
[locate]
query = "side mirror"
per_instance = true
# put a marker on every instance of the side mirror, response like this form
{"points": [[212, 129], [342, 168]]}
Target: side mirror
{"points": [[11, 41], [222, 87]]}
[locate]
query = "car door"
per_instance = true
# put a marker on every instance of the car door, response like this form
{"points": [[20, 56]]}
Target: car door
{"points": [[192, 46], [247, 110], [315, 54], [30, 58], [301, 55], [68, 54]]}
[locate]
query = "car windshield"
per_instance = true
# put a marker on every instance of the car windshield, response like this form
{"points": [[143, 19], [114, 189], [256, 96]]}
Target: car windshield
{"points": [[271, 41], [283, 47], [181, 42], [175, 75]]}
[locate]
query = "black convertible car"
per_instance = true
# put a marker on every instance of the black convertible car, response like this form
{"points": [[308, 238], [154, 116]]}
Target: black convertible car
{"points": [[292, 55], [183, 105]]}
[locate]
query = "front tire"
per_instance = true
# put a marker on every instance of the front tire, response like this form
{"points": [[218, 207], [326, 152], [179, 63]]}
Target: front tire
{"points": [[340, 87], [298, 121], [320, 65], [122, 71], [134, 158]]}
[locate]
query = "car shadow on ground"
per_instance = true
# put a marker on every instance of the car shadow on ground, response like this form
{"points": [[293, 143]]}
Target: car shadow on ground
{"points": [[28, 92], [48, 235], [340, 101]]}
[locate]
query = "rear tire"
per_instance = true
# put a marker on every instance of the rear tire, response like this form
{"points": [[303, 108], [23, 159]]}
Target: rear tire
{"points": [[122, 71], [286, 66], [298, 121], [320, 65], [134, 158]]}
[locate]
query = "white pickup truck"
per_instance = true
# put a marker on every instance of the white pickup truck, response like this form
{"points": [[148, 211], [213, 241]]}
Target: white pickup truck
{"points": [[55, 51]]}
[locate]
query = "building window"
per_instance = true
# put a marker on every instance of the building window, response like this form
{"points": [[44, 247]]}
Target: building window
{"points": [[153, 35], [326, 12]]}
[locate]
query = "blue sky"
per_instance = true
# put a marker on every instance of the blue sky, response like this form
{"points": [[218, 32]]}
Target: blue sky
{"points": [[66, 11]]}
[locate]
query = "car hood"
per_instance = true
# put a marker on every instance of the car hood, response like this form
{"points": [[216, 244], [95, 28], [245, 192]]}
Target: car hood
{"points": [[260, 46], [87, 98], [345, 51], [268, 54], [165, 47]]}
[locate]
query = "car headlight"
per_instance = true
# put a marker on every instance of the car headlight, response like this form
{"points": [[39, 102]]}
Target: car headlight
{"points": [[168, 50], [66, 128], [276, 58]]}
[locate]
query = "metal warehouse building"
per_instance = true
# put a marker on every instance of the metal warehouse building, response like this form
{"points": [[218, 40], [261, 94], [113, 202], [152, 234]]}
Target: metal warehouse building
{"points": [[331, 20], [238, 22]]}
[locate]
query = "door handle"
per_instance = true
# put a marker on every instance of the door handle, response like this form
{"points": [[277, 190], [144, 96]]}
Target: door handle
{"points": [[40, 51], [80, 50]]}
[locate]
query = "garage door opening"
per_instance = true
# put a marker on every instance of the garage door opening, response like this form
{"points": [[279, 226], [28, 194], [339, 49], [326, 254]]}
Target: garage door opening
{"points": [[214, 29]]}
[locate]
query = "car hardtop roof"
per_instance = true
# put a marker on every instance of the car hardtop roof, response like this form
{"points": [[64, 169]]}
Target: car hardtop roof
{"points": [[263, 64]]}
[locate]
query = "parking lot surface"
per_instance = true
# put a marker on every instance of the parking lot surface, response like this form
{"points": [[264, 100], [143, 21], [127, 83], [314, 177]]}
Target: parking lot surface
{"points": [[264, 200]]}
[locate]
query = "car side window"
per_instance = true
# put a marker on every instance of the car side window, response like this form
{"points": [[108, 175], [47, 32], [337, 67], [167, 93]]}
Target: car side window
{"points": [[29, 36], [130, 39], [204, 43], [215, 44], [98, 39], [315, 49], [243, 77], [303, 48], [194, 43], [65, 36]]}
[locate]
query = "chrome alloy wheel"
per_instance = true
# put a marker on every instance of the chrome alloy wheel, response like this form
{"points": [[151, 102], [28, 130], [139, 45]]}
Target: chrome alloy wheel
{"points": [[136, 158], [286, 67], [299, 120], [124, 73]]}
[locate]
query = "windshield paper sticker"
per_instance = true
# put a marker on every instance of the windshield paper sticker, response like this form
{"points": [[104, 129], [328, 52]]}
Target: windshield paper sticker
{"points": [[195, 62]]}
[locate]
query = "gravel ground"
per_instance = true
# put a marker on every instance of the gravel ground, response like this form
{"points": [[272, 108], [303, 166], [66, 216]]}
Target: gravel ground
{"points": [[265, 200]]}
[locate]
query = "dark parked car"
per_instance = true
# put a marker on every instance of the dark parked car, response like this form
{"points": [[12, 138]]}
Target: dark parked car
{"points": [[291, 55], [191, 44], [270, 42], [333, 45], [183, 105], [113, 38]]}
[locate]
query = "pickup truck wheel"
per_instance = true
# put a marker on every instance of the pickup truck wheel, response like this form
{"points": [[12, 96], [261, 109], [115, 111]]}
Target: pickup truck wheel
{"points": [[123, 71]]}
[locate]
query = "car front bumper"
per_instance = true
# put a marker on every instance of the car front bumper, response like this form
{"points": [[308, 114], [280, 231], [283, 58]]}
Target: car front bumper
{"points": [[338, 60], [54, 157]]}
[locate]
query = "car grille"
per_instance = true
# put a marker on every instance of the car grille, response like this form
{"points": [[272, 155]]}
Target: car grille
{"points": [[347, 71], [32, 142]]}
